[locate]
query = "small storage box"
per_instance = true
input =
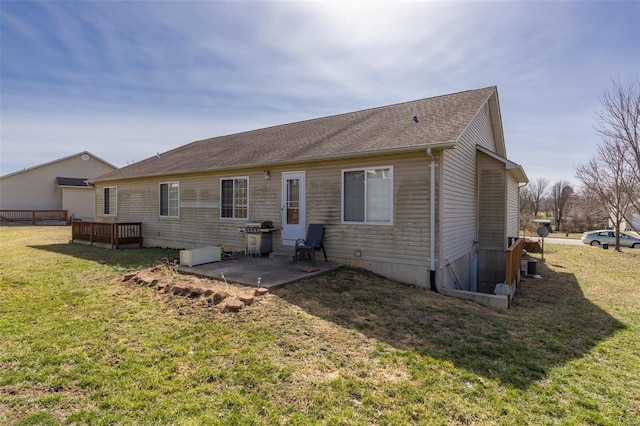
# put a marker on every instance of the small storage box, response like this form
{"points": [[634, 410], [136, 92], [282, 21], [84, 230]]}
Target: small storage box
{"points": [[200, 256]]}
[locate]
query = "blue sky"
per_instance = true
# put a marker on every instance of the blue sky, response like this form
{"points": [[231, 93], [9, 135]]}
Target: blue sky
{"points": [[125, 80]]}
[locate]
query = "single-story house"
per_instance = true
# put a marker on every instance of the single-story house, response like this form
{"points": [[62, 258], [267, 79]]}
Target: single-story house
{"points": [[57, 185], [632, 222], [420, 191]]}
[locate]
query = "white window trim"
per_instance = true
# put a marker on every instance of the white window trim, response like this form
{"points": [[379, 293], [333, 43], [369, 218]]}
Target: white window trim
{"points": [[234, 178], [167, 216], [391, 206], [115, 209]]}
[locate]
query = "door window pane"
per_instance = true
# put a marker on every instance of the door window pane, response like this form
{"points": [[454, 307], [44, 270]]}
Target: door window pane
{"points": [[293, 201]]}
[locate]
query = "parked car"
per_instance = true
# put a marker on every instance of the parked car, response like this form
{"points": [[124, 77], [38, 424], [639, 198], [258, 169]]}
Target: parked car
{"points": [[606, 236]]}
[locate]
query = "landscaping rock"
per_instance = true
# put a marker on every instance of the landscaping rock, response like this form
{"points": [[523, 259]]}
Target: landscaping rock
{"points": [[246, 299], [177, 290], [234, 305], [219, 297], [143, 278], [196, 292], [128, 276], [208, 293], [261, 291], [503, 289]]}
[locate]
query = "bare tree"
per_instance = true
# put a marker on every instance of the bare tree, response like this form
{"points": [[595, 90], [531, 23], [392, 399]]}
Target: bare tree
{"points": [[526, 200], [607, 175], [561, 193], [589, 209], [526, 209], [532, 201], [619, 124], [538, 191]]}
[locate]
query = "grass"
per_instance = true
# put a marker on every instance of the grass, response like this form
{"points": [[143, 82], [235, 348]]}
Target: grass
{"points": [[78, 346], [556, 234]]}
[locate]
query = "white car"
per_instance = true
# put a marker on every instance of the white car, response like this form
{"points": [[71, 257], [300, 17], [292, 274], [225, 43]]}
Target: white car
{"points": [[607, 236]]}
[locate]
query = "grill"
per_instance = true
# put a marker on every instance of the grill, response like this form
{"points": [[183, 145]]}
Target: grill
{"points": [[257, 239]]}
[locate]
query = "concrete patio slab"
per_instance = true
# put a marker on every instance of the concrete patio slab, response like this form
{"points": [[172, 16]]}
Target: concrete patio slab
{"points": [[272, 271]]}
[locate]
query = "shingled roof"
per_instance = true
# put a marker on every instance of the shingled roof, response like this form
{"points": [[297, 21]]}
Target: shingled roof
{"points": [[77, 182], [440, 122]]}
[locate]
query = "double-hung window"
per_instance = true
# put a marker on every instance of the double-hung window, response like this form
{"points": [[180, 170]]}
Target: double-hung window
{"points": [[110, 201], [367, 195], [234, 198], [170, 199]]}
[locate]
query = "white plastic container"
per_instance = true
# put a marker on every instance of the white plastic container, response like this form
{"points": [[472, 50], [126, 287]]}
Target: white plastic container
{"points": [[200, 256]]}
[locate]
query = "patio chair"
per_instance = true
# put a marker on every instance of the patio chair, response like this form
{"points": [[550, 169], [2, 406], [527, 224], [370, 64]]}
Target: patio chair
{"points": [[311, 244]]}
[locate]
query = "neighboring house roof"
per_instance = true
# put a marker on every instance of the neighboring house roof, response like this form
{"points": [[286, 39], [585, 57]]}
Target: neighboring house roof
{"points": [[77, 182], [440, 122], [57, 161]]}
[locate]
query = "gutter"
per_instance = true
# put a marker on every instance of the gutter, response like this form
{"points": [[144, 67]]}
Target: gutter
{"points": [[364, 154], [432, 222]]}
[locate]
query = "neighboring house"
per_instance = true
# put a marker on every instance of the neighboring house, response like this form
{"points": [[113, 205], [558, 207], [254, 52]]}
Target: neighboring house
{"points": [[633, 224], [630, 220], [415, 191], [57, 185]]}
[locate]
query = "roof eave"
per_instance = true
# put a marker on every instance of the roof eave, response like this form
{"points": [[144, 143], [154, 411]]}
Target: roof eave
{"points": [[403, 150], [516, 170]]}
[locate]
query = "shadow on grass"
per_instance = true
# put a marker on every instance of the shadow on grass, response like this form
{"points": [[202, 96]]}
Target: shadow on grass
{"points": [[121, 260], [549, 324]]}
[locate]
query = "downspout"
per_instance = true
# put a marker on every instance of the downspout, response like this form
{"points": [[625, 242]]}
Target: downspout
{"points": [[432, 223]]}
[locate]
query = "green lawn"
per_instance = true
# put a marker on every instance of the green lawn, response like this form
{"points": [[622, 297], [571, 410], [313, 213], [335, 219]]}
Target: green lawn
{"points": [[79, 346], [556, 234]]}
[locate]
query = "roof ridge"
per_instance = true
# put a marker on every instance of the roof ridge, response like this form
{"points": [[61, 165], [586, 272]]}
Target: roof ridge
{"points": [[335, 115], [354, 133]]}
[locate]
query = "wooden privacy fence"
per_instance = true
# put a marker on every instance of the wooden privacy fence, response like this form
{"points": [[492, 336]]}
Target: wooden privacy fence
{"points": [[513, 260], [112, 234], [33, 216]]}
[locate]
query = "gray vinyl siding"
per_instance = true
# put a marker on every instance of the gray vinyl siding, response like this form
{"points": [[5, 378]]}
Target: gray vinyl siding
{"points": [[492, 217], [459, 188], [491, 209], [406, 241], [513, 207]]}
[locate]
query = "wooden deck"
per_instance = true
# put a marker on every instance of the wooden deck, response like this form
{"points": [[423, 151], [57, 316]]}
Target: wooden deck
{"points": [[112, 235], [513, 260]]}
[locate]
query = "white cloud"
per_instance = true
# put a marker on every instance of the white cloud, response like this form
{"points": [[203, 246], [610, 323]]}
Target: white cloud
{"points": [[147, 77]]}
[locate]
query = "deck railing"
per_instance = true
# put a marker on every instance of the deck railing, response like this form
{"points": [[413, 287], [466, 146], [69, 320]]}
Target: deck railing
{"points": [[33, 216], [513, 260], [112, 234]]}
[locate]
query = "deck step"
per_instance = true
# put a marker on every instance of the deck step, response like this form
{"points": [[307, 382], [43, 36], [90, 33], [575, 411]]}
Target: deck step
{"points": [[283, 252]]}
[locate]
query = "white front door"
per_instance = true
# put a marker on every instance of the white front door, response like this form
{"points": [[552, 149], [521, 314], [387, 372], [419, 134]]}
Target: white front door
{"points": [[293, 207]]}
